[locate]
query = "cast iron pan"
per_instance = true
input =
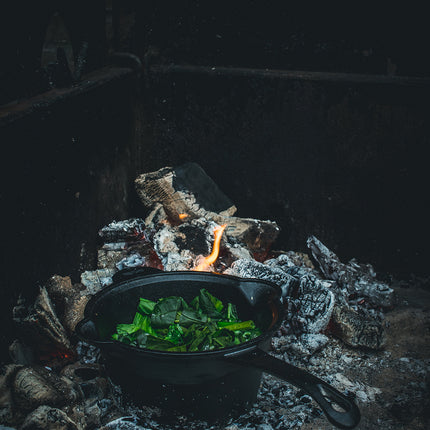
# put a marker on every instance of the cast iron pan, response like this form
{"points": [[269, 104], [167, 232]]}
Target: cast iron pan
{"points": [[255, 299]]}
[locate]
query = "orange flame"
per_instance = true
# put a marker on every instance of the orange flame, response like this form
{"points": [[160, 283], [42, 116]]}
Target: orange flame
{"points": [[183, 216], [210, 259]]}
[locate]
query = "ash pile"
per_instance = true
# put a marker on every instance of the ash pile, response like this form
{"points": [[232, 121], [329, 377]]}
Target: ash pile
{"points": [[336, 316]]}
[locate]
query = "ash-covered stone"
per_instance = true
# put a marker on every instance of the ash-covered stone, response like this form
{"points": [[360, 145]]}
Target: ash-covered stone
{"points": [[123, 231], [355, 279]]}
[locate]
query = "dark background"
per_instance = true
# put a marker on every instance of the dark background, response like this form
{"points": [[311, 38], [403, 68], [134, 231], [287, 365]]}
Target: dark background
{"points": [[339, 151]]}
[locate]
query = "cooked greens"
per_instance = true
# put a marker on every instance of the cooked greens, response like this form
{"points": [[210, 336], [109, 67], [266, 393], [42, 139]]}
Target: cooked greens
{"points": [[171, 324]]}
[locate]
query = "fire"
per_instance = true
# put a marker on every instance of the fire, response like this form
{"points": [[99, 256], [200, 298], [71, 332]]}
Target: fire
{"points": [[210, 259], [183, 216]]}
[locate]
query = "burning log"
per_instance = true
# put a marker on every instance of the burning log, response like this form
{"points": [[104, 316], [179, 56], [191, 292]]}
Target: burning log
{"points": [[186, 193], [184, 190], [354, 279]]}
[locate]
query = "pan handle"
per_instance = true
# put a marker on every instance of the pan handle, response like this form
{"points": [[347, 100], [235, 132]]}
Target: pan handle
{"points": [[347, 414], [86, 330]]}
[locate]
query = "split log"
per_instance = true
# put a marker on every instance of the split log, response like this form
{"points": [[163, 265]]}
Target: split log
{"points": [[40, 326], [48, 418], [36, 386], [187, 191], [183, 190]]}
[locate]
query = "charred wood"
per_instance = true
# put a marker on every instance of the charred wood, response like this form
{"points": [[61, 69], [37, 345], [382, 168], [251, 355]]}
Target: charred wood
{"points": [[48, 418], [186, 189], [357, 328], [40, 326], [186, 193], [354, 279]]}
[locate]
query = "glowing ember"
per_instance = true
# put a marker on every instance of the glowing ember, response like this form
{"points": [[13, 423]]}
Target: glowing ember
{"points": [[183, 216], [210, 259]]}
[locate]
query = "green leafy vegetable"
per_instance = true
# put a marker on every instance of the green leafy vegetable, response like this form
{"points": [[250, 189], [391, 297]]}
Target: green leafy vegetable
{"points": [[146, 306], [171, 324]]}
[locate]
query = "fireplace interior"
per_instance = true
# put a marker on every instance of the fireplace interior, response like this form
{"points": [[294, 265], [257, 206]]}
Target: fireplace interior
{"points": [[318, 122]]}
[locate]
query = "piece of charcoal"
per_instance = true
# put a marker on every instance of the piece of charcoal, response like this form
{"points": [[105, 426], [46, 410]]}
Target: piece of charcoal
{"points": [[289, 265], [123, 231], [357, 328], [287, 259], [356, 279], [254, 269], [314, 304]]}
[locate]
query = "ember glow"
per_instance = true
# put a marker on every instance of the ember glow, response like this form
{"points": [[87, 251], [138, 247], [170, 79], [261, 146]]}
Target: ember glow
{"points": [[183, 216], [210, 259]]}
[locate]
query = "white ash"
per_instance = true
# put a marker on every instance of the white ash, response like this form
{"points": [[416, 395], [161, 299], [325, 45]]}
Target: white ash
{"points": [[133, 260], [95, 280], [305, 344], [179, 246], [168, 251], [292, 260], [124, 423], [365, 393], [114, 246]]}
